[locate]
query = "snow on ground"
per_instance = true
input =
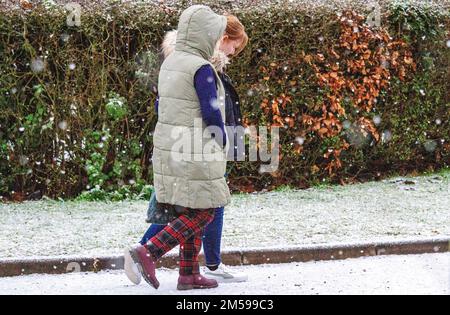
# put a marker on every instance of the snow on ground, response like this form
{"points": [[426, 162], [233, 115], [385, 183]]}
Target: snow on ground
{"points": [[393, 209], [412, 274]]}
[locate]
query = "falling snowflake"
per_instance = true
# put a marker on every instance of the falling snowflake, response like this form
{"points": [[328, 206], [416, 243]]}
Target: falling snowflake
{"points": [[300, 140], [37, 65], [72, 66], [14, 90], [438, 121], [22, 129], [385, 64], [215, 103], [63, 125], [386, 136], [210, 79], [422, 92], [377, 120], [430, 145], [347, 124], [65, 37], [448, 43]]}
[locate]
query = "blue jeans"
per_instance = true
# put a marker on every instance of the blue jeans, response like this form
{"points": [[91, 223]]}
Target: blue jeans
{"points": [[212, 237]]}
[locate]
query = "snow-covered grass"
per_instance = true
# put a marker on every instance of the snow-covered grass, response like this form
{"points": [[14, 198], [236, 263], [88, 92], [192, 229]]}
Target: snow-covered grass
{"points": [[395, 208], [413, 274]]}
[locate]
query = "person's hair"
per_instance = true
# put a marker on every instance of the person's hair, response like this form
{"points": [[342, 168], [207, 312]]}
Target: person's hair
{"points": [[236, 31]]}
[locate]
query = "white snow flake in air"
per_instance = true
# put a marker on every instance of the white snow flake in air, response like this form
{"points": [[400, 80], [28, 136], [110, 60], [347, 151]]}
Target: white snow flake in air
{"points": [[300, 140], [422, 92], [438, 121], [72, 66], [347, 124], [13, 90], [37, 65], [385, 64], [215, 104], [386, 136], [210, 79], [377, 120], [65, 37], [62, 125], [22, 129], [430, 145]]}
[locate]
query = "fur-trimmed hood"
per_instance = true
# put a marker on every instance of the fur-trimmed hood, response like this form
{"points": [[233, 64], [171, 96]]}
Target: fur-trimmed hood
{"points": [[219, 59]]}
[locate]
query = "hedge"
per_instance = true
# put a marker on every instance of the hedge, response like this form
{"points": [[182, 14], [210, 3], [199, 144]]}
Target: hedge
{"points": [[354, 101]]}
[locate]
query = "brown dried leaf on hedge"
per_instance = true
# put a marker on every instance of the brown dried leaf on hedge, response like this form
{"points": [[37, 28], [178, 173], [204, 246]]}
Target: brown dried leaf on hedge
{"points": [[356, 68]]}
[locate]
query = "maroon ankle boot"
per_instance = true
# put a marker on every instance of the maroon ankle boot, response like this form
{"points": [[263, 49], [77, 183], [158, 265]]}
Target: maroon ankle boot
{"points": [[145, 264], [196, 281]]}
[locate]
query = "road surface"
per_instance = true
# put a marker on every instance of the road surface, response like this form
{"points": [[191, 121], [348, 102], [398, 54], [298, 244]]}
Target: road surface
{"points": [[411, 274]]}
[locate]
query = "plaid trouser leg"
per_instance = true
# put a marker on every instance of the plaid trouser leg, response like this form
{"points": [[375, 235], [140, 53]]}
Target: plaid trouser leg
{"points": [[189, 251], [183, 230]]}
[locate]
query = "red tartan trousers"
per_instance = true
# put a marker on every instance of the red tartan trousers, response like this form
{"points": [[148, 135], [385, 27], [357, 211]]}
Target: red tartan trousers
{"points": [[186, 231]]}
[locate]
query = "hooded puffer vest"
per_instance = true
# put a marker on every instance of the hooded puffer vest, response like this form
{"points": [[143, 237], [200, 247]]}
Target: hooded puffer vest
{"points": [[188, 165]]}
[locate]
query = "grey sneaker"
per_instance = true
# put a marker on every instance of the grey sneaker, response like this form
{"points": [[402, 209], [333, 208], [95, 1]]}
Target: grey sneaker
{"points": [[224, 275]]}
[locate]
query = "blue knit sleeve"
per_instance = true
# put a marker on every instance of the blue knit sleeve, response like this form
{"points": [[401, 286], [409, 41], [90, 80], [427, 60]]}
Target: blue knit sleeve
{"points": [[205, 85]]}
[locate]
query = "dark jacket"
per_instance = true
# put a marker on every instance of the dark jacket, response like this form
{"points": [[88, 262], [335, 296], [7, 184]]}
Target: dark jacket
{"points": [[233, 116]]}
